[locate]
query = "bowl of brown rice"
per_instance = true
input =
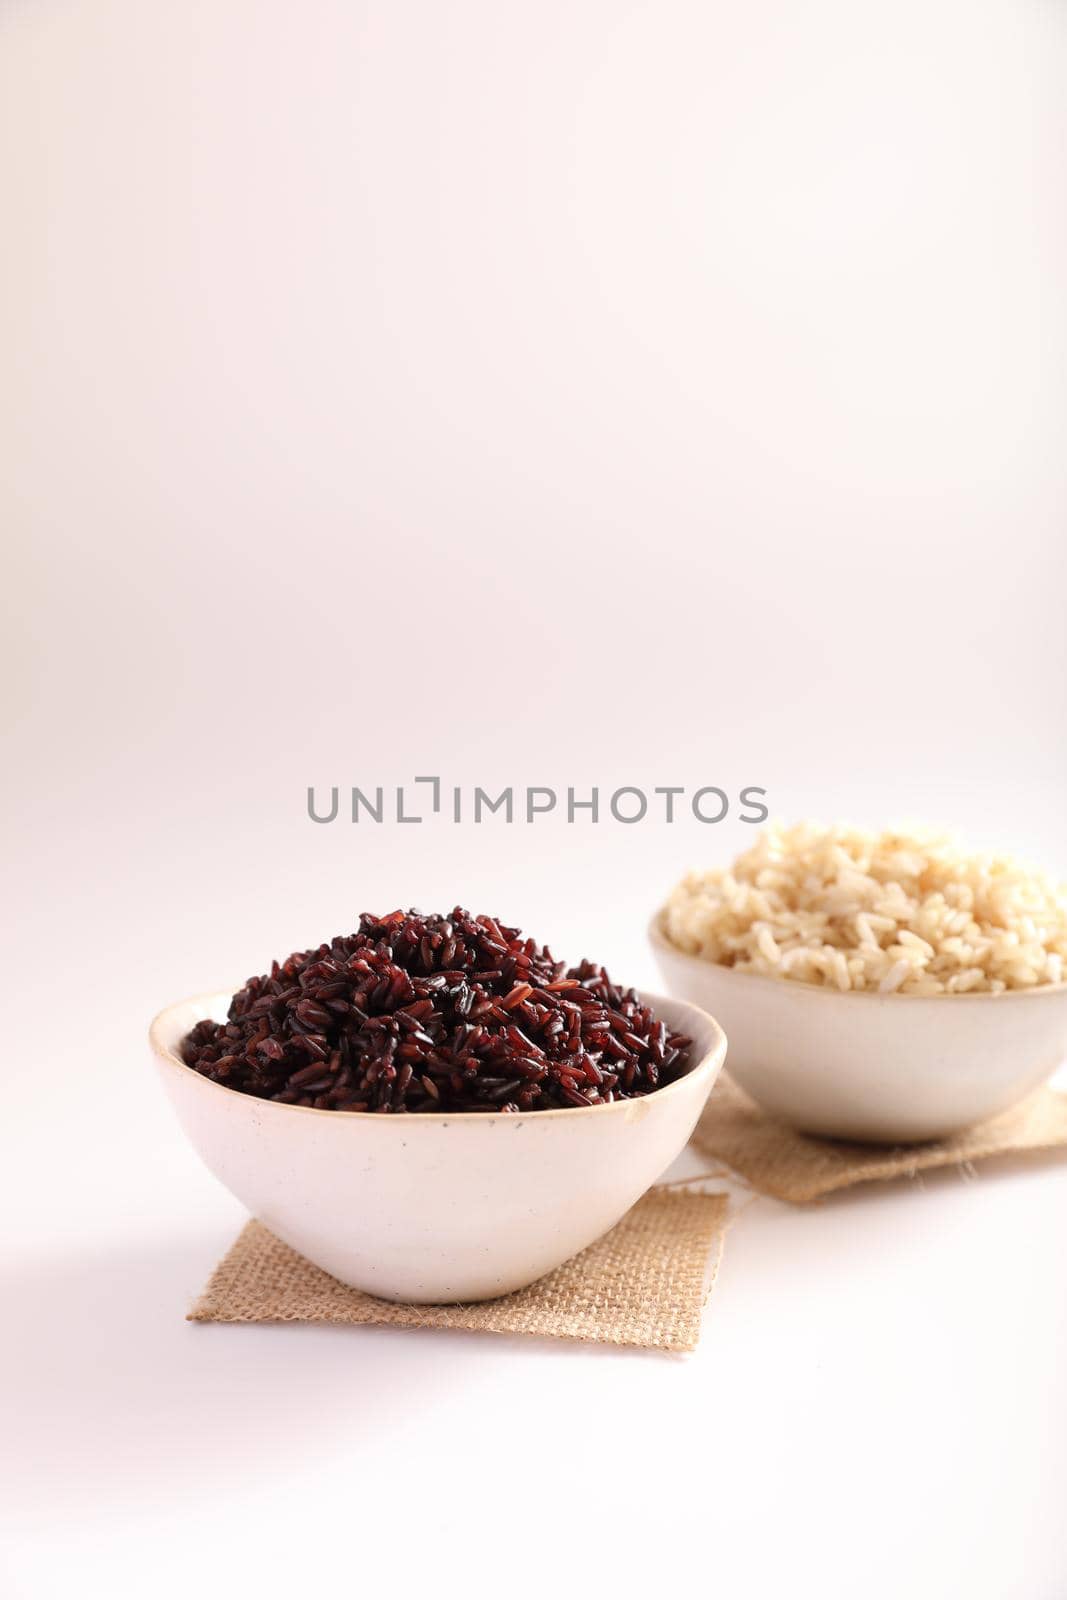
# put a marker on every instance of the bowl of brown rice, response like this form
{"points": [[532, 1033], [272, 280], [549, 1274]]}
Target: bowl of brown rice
{"points": [[887, 987]]}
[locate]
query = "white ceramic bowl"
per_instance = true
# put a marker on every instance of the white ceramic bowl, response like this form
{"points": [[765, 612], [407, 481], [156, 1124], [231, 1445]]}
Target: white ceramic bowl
{"points": [[463, 1206], [889, 1068]]}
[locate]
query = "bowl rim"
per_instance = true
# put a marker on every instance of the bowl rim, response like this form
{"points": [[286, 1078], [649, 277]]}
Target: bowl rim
{"points": [[709, 1064], [659, 940]]}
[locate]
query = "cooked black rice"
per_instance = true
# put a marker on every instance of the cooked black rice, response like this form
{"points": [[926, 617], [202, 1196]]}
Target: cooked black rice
{"points": [[429, 1013]]}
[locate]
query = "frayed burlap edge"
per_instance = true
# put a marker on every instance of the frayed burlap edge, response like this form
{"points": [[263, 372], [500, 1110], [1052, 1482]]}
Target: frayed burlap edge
{"points": [[776, 1160], [644, 1284]]}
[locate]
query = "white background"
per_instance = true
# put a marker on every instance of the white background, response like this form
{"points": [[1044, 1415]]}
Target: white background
{"points": [[559, 393]]}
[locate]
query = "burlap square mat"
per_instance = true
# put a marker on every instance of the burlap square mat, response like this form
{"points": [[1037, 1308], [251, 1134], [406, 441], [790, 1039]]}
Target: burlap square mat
{"points": [[776, 1160], [643, 1284]]}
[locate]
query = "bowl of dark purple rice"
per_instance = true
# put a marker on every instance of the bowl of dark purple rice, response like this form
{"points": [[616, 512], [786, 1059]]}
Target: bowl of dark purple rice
{"points": [[434, 1109]]}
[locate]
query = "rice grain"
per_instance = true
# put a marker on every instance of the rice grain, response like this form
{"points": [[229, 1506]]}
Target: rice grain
{"points": [[893, 912]]}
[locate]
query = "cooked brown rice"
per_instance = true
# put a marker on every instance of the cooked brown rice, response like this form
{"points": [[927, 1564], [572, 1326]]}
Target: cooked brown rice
{"points": [[895, 912]]}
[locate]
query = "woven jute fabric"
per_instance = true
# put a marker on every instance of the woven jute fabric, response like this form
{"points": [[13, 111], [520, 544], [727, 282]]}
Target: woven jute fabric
{"points": [[643, 1284], [774, 1159]]}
